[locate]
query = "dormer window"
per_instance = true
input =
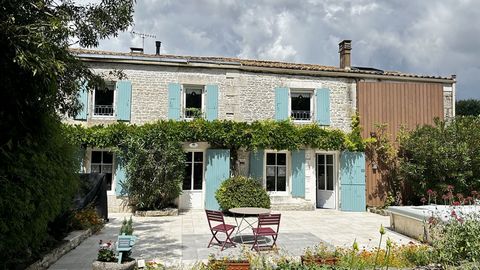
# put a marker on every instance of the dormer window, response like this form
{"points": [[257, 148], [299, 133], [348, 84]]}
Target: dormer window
{"points": [[104, 100], [301, 106], [193, 107]]}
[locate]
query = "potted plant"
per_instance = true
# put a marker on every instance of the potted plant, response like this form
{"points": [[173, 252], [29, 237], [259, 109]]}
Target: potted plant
{"points": [[227, 263], [107, 259], [320, 255]]}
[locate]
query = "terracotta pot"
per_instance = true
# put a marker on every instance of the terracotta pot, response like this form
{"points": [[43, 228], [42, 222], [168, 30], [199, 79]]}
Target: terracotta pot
{"points": [[233, 265], [318, 260]]}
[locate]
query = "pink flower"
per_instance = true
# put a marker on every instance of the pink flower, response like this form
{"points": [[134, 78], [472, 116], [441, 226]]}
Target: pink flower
{"points": [[474, 192], [429, 192], [423, 200], [450, 188], [453, 214], [456, 203]]}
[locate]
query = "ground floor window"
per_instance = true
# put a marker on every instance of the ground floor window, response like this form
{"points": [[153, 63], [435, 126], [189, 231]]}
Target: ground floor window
{"points": [[102, 162], [276, 168], [325, 172], [193, 179]]}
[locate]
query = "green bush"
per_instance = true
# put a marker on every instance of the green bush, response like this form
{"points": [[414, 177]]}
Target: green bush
{"points": [[127, 227], [240, 191]]}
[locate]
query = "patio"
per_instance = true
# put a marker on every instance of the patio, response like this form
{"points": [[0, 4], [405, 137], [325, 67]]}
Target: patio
{"points": [[183, 239]]}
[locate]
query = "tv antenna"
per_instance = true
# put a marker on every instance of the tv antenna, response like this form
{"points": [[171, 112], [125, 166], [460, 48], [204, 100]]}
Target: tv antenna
{"points": [[143, 36]]}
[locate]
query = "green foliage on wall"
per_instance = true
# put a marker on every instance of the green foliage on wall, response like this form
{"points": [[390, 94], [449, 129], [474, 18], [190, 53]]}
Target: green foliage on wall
{"points": [[279, 135], [447, 153]]}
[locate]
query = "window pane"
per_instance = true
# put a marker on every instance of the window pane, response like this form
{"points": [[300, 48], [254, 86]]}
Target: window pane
{"points": [[271, 159], [197, 175], [107, 157], [270, 170], [188, 156], [329, 177], [270, 183], [330, 159], [321, 177], [96, 156], [106, 168], [193, 98], [104, 97], [198, 157], [108, 176], [282, 171], [95, 168], [301, 102], [281, 183], [321, 159], [282, 159], [187, 179]]}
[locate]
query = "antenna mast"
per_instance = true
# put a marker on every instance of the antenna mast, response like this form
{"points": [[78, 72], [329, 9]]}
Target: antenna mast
{"points": [[143, 36]]}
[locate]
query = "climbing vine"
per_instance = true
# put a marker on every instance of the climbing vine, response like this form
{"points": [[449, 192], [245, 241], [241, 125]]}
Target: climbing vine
{"points": [[279, 135]]}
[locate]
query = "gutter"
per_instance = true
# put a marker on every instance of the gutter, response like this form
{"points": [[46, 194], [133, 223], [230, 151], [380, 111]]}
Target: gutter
{"points": [[158, 61]]}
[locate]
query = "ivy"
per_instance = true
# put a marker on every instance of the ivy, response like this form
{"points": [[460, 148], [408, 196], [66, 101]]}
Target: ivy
{"points": [[224, 134]]}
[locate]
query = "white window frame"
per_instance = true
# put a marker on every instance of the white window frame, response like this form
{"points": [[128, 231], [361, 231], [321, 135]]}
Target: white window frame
{"points": [[114, 164], [185, 87], [203, 170], [310, 92], [287, 173], [334, 168], [114, 104]]}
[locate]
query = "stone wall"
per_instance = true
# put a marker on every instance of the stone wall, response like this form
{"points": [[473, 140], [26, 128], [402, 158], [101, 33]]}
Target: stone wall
{"points": [[243, 96], [448, 102]]}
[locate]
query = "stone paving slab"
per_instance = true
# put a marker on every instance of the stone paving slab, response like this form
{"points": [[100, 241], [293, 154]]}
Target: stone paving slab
{"points": [[183, 238]]}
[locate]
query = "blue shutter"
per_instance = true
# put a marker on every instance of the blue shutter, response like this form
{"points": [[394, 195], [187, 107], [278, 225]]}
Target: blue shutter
{"points": [[298, 173], [124, 100], [120, 177], [256, 165], [212, 102], [352, 180], [83, 99], [174, 97], [323, 106], [281, 103], [217, 170]]}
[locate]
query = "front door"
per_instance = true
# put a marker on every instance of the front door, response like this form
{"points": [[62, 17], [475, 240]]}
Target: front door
{"points": [[326, 181]]}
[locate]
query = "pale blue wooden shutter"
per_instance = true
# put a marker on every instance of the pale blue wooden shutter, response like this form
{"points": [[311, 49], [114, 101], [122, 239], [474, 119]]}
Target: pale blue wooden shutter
{"points": [[352, 181], [256, 165], [298, 173], [323, 106], [217, 170], [83, 99], [124, 100], [281, 103], [120, 177], [212, 102], [174, 98]]}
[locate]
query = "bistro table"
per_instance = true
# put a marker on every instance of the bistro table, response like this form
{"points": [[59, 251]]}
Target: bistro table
{"points": [[243, 213]]}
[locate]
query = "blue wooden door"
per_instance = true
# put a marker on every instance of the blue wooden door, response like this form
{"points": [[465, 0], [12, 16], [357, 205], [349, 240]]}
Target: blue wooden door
{"points": [[352, 179], [217, 170]]}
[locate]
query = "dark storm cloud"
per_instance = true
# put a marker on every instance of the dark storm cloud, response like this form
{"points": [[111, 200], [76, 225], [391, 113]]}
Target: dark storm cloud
{"points": [[426, 37]]}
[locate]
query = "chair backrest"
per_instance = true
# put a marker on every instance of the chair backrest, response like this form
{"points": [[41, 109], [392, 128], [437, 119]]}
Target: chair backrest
{"points": [[269, 220], [213, 215]]}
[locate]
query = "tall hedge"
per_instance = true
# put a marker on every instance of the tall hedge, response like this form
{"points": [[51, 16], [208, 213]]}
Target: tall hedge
{"points": [[447, 153], [240, 191]]}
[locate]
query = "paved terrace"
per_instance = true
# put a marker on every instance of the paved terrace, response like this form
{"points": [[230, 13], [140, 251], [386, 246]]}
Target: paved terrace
{"points": [[183, 239]]}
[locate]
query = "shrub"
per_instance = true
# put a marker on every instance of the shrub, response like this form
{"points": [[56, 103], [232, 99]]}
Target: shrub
{"points": [[87, 218], [127, 227], [240, 191]]}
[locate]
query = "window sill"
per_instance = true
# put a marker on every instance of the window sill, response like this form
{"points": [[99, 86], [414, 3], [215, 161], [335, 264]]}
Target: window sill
{"points": [[302, 121], [110, 117]]}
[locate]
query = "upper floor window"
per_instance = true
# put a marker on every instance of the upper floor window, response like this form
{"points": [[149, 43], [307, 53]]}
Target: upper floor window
{"points": [[193, 178], [301, 104], [102, 162], [276, 168], [104, 100], [193, 102]]}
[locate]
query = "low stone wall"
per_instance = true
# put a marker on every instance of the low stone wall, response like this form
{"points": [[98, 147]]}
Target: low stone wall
{"points": [[72, 241], [157, 213], [96, 265]]}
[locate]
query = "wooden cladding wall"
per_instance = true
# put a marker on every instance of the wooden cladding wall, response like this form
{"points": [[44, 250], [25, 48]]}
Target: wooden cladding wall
{"points": [[394, 104]]}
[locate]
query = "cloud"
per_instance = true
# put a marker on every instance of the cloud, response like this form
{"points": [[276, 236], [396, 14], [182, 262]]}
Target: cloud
{"points": [[425, 37]]}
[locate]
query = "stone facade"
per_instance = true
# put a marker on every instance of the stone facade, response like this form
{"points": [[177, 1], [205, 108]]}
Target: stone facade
{"points": [[243, 96], [448, 102]]}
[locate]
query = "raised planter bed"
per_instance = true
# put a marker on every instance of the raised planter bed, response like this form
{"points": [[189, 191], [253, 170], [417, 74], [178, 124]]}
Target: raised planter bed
{"points": [[315, 260], [230, 265], [157, 213]]}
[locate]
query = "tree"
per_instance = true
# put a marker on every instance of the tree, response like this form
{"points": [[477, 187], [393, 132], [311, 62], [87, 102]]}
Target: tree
{"points": [[40, 81], [467, 107]]}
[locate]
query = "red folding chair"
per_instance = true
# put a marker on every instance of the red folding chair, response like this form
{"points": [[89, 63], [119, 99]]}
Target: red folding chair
{"points": [[217, 216], [268, 225]]}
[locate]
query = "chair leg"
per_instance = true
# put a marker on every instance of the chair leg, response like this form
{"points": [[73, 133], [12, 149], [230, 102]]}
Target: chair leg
{"points": [[255, 242], [274, 238], [228, 240], [214, 236]]}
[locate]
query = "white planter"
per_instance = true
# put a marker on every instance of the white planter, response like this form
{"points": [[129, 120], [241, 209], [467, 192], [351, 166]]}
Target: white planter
{"points": [[96, 265]]}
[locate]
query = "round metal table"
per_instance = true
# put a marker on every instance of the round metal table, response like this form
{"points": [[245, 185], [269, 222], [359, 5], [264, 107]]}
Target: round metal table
{"points": [[243, 213]]}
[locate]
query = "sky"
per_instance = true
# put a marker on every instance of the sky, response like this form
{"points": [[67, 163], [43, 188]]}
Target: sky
{"points": [[427, 37]]}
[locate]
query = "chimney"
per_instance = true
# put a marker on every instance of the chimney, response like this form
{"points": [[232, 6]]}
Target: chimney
{"points": [[344, 49], [157, 45], [136, 50]]}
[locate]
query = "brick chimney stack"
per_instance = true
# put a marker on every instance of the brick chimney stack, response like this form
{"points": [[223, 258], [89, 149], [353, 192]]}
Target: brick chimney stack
{"points": [[344, 49]]}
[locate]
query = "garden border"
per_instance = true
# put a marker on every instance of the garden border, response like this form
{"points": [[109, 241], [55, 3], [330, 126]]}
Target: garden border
{"points": [[73, 240]]}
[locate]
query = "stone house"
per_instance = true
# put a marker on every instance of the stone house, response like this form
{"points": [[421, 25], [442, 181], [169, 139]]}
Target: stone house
{"points": [[182, 87]]}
